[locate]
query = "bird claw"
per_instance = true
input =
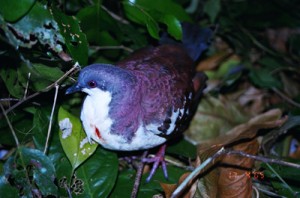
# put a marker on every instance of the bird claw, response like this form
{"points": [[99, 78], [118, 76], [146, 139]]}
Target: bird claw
{"points": [[158, 159]]}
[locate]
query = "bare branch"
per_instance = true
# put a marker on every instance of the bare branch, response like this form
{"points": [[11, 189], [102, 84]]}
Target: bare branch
{"points": [[9, 99], [122, 47], [75, 67], [51, 119], [113, 15], [27, 85]]}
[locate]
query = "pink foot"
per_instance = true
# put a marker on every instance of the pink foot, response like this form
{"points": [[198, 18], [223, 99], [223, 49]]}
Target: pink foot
{"points": [[158, 159]]}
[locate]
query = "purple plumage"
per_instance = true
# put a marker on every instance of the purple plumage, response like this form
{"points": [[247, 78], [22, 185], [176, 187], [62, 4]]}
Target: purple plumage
{"points": [[143, 100]]}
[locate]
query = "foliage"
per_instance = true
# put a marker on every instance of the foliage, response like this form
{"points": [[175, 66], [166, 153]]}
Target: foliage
{"points": [[252, 64]]}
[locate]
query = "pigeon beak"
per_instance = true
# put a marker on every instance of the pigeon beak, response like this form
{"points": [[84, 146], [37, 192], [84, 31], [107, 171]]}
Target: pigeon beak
{"points": [[73, 89]]}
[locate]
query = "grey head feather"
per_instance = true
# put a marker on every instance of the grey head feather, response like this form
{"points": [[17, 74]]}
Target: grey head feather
{"points": [[106, 77]]}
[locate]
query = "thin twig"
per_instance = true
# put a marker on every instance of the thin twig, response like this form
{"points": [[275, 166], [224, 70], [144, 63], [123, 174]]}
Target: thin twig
{"points": [[195, 173], [68, 190], [122, 47], [263, 159], [282, 95], [10, 126], [280, 178], [113, 15], [8, 99], [76, 66], [138, 177], [27, 85], [51, 119]]}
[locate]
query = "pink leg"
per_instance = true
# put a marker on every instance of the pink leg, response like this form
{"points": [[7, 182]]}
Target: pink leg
{"points": [[158, 159]]}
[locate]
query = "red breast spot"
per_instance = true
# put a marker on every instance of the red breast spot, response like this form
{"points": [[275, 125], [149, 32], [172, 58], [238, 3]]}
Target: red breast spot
{"points": [[97, 132]]}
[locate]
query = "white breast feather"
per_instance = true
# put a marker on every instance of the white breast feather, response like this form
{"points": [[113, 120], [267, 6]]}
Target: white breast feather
{"points": [[95, 113]]}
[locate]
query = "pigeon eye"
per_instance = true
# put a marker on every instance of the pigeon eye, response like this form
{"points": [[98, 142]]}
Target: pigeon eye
{"points": [[92, 84]]}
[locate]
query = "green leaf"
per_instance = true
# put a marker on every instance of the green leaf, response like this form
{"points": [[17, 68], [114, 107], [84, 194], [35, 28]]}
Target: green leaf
{"points": [[183, 148], [37, 25], [126, 178], [42, 168], [6, 190], [264, 79], [14, 9], [10, 78], [22, 124], [174, 26], [31, 169], [289, 174], [41, 119], [212, 8], [148, 13], [75, 39], [152, 28], [166, 7], [94, 20], [61, 163], [73, 138], [41, 76], [141, 15], [97, 175]]}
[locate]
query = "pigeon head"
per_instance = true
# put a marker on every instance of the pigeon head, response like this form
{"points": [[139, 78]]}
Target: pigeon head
{"points": [[104, 77]]}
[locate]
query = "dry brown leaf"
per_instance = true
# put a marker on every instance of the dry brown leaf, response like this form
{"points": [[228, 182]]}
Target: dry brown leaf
{"points": [[233, 180], [170, 188], [253, 100], [213, 61], [269, 119], [66, 57], [214, 117]]}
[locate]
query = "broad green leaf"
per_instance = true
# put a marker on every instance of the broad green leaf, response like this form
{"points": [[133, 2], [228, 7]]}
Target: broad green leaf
{"points": [[13, 10], [94, 20], [22, 124], [41, 119], [61, 163], [141, 15], [10, 78], [152, 27], [73, 138], [42, 169], [264, 79], [166, 7], [149, 13], [182, 148], [271, 63], [37, 25], [30, 169], [131, 34], [75, 39], [97, 176], [100, 29], [6, 189], [212, 9], [41, 76], [174, 26], [126, 178], [290, 175]]}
